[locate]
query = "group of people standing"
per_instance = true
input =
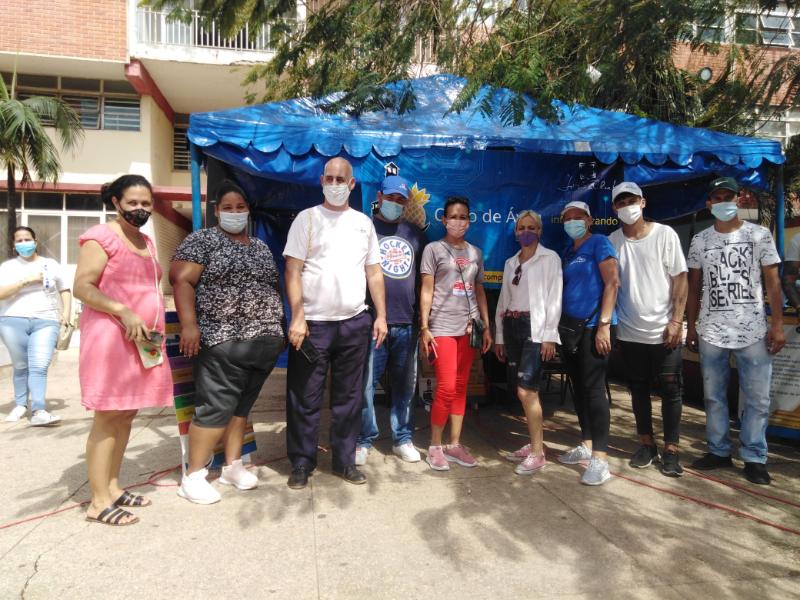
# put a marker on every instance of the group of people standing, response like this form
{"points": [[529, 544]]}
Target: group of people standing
{"points": [[365, 294]]}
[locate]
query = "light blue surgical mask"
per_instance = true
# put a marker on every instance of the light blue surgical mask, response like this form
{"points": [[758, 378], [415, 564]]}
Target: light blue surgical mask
{"points": [[575, 228], [724, 211], [233, 222], [25, 249], [391, 211]]}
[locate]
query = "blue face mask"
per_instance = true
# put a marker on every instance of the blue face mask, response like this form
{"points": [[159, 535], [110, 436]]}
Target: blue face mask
{"points": [[575, 229], [25, 249], [724, 211], [391, 211]]}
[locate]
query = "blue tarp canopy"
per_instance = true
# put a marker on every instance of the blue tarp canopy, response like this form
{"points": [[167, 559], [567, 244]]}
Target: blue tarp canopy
{"points": [[277, 152]]}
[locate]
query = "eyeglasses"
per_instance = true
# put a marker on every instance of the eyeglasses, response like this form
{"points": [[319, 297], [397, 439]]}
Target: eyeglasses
{"points": [[517, 275]]}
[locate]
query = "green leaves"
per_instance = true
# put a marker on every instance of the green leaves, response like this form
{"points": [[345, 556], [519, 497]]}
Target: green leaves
{"points": [[539, 49], [25, 146]]}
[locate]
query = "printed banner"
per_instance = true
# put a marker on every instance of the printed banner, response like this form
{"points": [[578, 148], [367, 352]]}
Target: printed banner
{"points": [[785, 391]]}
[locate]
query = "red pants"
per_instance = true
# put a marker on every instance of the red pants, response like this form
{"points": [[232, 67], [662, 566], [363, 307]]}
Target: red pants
{"points": [[452, 366]]}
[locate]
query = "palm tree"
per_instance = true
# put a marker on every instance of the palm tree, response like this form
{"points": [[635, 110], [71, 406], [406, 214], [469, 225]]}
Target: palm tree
{"points": [[25, 146]]}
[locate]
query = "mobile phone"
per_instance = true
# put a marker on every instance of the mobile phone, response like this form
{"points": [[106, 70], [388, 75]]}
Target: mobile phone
{"points": [[309, 352], [155, 338], [432, 356]]}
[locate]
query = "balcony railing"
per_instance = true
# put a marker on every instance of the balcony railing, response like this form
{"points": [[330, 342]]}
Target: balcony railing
{"points": [[155, 28]]}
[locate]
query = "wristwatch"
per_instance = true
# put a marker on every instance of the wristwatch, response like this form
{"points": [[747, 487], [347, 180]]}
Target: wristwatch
{"points": [[603, 322]]}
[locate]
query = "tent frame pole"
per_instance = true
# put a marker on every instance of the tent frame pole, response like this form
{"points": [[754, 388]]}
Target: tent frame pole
{"points": [[197, 208], [780, 211]]}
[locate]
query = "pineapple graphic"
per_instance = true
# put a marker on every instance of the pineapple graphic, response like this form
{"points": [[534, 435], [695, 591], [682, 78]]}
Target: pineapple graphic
{"points": [[415, 209]]}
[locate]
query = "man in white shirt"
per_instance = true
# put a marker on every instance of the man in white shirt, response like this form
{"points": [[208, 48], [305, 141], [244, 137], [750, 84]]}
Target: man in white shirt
{"points": [[650, 305], [727, 264], [790, 272], [332, 256]]}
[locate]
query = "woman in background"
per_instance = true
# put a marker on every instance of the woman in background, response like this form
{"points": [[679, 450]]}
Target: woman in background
{"points": [[34, 302]]}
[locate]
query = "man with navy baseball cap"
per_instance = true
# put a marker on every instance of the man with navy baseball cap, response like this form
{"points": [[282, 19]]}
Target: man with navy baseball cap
{"points": [[400, 244]]}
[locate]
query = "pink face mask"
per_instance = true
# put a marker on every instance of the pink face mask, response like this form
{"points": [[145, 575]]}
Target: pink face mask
{"points": [[456, 228]]}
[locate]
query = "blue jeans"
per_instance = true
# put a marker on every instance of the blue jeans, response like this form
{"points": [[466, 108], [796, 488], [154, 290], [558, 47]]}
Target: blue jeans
{"points": [[30, 343], [755, 372], [399, 353]]}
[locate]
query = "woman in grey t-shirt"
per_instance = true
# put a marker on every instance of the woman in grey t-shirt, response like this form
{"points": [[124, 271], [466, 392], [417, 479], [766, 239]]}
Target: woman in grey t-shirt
{"points": [[452, 294]]}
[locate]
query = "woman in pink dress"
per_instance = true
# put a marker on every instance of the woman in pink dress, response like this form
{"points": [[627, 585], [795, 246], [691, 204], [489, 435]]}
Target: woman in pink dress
{"points": [[117, 281]]}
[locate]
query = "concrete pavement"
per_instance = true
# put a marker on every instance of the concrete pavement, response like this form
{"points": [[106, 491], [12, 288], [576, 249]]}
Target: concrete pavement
{"points": [[409, 533]]}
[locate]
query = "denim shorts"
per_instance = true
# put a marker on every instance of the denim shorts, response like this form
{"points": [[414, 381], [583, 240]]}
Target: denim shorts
{"points": [[523, 355]]}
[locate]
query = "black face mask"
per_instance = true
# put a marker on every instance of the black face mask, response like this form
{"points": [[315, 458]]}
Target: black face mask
{"points": [[137, 217]]}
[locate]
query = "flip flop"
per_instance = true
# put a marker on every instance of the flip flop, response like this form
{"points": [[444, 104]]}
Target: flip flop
{"points": [[112, 515], [128, 499]]}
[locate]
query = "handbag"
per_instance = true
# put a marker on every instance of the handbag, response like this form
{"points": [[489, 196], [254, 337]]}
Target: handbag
{"points": [[570, 330], [475, 326], [65, 330], [64, 335]]}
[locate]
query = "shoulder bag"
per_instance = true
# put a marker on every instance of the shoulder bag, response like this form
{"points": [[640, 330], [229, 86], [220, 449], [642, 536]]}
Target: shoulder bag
{"points": [[475, 327], [570, 330], [65, 330]]}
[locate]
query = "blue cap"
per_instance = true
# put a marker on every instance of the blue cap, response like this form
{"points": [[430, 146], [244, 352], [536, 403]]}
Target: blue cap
{"points": [[394, 184]]}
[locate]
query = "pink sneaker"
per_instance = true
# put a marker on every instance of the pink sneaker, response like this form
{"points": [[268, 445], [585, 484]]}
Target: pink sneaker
{"points": [[519, 455], [460, 454], [436, 459], [530, 465]]}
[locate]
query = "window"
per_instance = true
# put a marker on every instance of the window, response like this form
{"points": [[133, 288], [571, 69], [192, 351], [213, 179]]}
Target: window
{"points": [[775, 30], [84, 202], [100, 104], [121, 114], [771, 28], [87, 109], [76, 225], [48, 235], [43, 201], [180, 144], [747, 29], [713, 31]]}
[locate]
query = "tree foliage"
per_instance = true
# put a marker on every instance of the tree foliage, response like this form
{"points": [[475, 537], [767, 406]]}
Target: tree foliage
{"points": [[540, 48], [25, 147]]}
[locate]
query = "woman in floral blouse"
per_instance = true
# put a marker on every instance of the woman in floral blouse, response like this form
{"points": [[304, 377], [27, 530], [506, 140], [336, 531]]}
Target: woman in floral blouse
{"points": [[231, 314]]}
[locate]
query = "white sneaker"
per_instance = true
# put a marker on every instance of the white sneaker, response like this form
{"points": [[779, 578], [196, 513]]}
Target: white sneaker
{"points": [[361, 455], [596, 473], [576, 455], [407, 452], [236, 474], [16, 414], [42, 418], [195, 488]]}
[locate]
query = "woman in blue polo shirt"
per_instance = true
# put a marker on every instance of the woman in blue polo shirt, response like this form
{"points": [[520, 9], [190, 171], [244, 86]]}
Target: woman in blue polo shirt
{"points": [[591, 279]]}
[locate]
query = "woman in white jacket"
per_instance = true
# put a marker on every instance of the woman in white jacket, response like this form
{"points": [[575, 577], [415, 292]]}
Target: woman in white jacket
{"points": [[527, 328]]}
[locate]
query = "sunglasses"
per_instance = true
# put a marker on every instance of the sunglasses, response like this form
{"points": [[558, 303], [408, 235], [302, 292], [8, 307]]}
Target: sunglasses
{"points": [[517, 275]]}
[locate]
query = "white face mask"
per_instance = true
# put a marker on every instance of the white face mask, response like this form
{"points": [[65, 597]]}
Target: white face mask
{"points": [[630, 214], [336, 195], [233, 222]]}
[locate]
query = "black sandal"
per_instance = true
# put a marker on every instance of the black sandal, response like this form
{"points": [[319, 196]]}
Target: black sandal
{"points": [[112, 515], [128, 499]]}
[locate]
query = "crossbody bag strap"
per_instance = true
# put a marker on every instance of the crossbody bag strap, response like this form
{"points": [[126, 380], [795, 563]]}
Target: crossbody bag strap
{"points": [[155, 288], [460, 272]]}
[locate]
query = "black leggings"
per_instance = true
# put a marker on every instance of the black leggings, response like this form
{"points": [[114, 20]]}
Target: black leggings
{"points": [[655, 367], [587, 371]]}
